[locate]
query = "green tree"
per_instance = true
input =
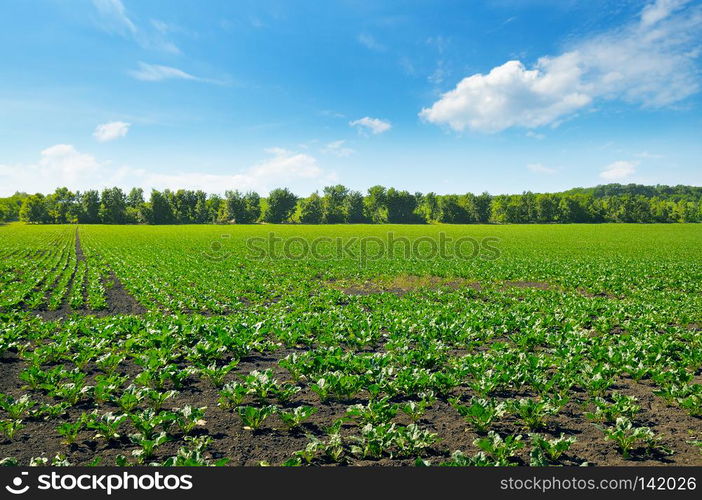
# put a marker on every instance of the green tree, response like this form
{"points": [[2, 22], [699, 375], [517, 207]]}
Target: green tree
{"points": [[334, 204], [243, 208], [483, 204], [451, 211], [376, 204], [34, 210], [60, 205], [89, 207], [281, 206], [429, 208], [160, 211], [400, 207], [113, 205], [312, 209], [355, 208]]}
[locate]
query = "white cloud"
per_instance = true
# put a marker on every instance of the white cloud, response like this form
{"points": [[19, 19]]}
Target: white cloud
{"points": [[114, 19], [157, 73], [59, 165], [337, 148], [659, 10], [373, 125], [111, 131], [647, 155], [63, 165], [369, 42], [535, 135], [651, 62], [538, 168], [619, 170], [115, 16]]}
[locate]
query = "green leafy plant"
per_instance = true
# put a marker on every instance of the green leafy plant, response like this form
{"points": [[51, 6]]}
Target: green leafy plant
{"points": [[16, 408], [253, 418], [480, 413], [294, 418], [548, 451], [232, 395], [533, 412], [10, 427], [500, 450], [627, 436]]}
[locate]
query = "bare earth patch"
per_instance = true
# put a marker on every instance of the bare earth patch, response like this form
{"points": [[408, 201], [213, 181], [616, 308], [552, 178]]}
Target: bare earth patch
{"points": [[402, 284]]}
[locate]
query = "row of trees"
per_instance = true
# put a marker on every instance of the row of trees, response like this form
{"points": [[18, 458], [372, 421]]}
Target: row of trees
{"points": [[338, 204]]}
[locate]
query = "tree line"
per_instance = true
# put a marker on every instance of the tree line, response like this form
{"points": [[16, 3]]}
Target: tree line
{"points": [[338, 205]]}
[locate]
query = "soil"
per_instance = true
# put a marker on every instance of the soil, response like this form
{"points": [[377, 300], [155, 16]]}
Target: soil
{"points": [[274, 443], [403, 284], [118, 299]]}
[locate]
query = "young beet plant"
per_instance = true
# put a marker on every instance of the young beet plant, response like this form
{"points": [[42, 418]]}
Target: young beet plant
{"points": [[500, 450], [628, 437], [548, 451], [147, 445], [107, 425], [16, 408], [10, 427], [215, 375], [70, 430], [189, 417], [253, 417], [609, 412], [480, 413], [532, 412], [375, 412], [297, 416], [232, 395]]}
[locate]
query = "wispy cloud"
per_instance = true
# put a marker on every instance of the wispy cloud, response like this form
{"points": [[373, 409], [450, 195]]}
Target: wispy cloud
{"points": [[647, 155], [652, 62], [369, 42], [337, 148], [538, 168], [373, 125], [111, 131], [619, 170], [535, 135], [113, 18], [157, 73]]}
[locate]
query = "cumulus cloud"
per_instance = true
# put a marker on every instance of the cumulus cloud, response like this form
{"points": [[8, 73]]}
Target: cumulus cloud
{"points": [[337, 148], [618, 170], [63, 165], [58, 165], [538, 168], [650, 62], [373, 125], [111, 131]]}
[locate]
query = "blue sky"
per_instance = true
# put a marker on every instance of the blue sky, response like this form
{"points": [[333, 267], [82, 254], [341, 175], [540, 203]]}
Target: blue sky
{"points": [[444, 96]]}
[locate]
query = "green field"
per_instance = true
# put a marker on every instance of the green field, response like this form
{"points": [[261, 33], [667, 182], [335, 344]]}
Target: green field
{"points": [[351, 344]]}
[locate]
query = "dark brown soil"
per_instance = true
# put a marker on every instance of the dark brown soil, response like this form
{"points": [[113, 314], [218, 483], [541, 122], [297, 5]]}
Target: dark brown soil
{"points": [[274, 443], [119, 301]]}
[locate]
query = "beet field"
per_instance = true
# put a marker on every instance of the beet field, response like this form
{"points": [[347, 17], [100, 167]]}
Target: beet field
{"points": [[351, 345]]}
